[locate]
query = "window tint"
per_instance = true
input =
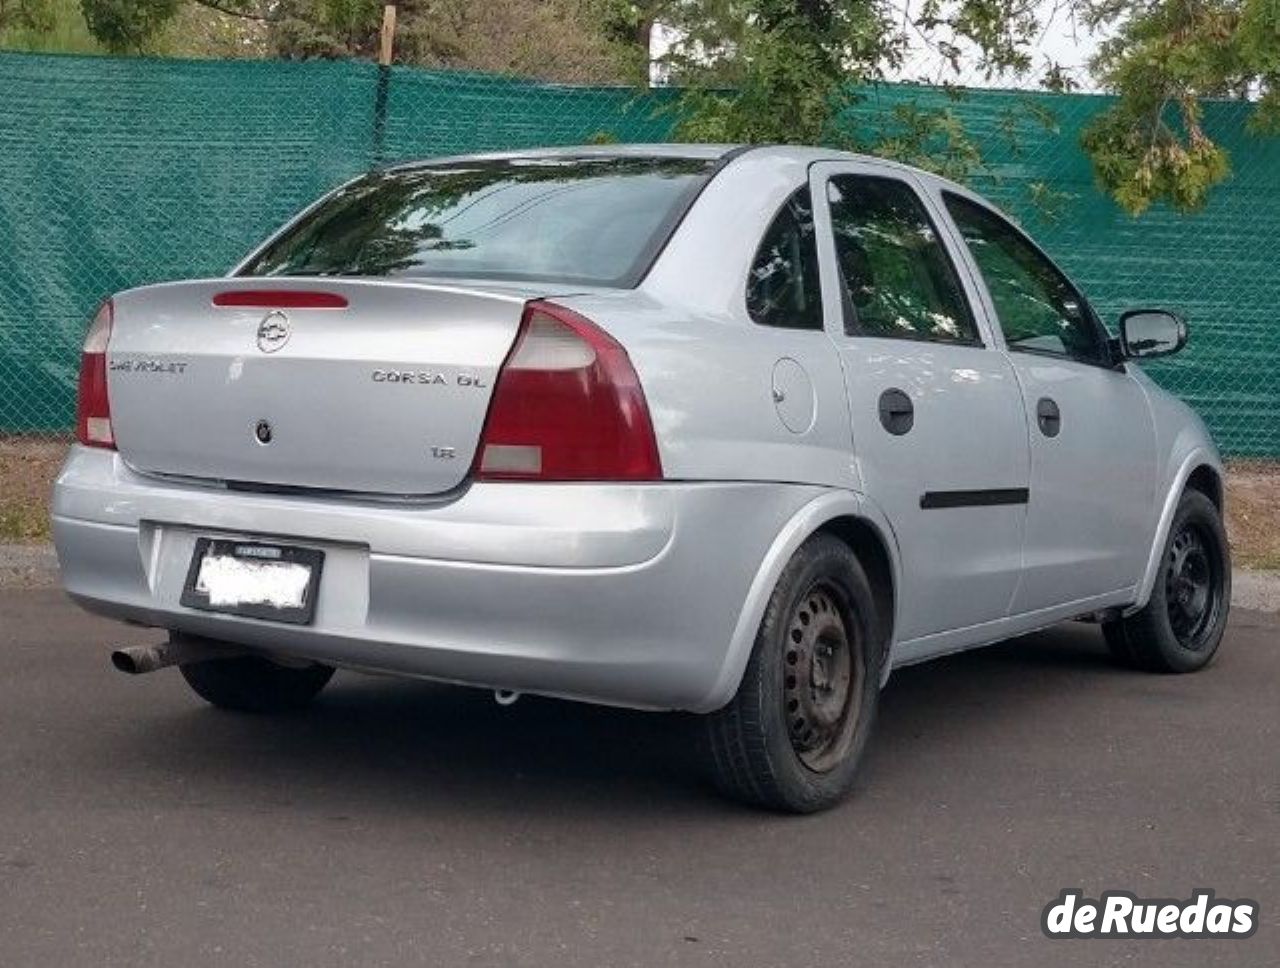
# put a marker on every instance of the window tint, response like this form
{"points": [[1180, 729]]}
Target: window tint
{"points": [[782, 288], [897, 276], [594, 220], [1038, 308]]}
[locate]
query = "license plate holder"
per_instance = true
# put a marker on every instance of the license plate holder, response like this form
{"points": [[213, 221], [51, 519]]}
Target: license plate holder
{"points": [[286, 577]]}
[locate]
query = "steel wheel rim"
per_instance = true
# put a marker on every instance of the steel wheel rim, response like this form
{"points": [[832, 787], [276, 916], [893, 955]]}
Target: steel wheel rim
{"points": [[1193, 587], [821, 674]]}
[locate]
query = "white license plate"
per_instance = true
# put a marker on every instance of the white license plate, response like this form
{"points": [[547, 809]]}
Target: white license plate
{"points": [[254, 579]]}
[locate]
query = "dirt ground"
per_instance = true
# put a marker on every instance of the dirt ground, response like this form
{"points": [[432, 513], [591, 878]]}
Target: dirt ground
{"points": [[1253, 513], [28, 466]]}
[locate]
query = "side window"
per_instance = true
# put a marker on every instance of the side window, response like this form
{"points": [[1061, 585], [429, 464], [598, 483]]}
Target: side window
{"points": [[782, 288], [1038, 308], [897, 276]]}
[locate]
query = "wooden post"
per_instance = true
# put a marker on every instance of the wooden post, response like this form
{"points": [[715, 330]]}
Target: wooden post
{"points": [[386, 49]]}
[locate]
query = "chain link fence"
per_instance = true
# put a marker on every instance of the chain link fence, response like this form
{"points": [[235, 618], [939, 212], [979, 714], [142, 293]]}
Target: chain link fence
{"points": [[120, 172]]}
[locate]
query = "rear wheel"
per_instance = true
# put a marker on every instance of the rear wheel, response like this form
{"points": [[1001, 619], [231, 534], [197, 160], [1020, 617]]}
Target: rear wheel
{"points": [[792, 737], [254, 684], [1181, 626]]}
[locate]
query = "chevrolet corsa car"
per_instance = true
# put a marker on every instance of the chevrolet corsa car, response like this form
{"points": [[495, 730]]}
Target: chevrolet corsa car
{"points": [[728, 430]]}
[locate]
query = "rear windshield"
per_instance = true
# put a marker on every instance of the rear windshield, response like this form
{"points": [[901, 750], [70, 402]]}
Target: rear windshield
{"points": [[595, 221]]}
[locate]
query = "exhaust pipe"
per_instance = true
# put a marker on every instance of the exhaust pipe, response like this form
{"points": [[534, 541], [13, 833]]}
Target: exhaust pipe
{"points": [[137, 659], [505, 697]]}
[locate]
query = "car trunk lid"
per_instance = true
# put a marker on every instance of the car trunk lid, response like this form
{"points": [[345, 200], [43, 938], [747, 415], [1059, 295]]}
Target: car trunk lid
{"points": [[341, 385]]}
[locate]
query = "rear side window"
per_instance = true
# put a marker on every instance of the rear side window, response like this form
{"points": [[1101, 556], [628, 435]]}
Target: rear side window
{"points": [[782, 288], [898, 279], [596, 221]]}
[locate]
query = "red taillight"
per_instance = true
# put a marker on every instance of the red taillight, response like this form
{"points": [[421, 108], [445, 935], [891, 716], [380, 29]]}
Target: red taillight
{"points": [[568, 406], [93, 408]]}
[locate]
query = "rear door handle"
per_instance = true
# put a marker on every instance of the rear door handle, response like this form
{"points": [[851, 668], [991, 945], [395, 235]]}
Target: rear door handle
{"points": [[897, 413], [1049, 417]]}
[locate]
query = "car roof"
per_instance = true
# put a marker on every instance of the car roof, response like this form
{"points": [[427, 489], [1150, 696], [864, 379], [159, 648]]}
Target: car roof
{"points": [[706, 151], [725, 153]]}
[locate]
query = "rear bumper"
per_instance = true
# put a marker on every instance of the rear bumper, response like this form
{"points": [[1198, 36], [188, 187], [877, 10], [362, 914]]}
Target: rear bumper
{"points": [[617, 593]]}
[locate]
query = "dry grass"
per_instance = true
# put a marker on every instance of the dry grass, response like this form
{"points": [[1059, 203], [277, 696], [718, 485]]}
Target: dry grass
{"points": [[28, 466], [1253, 513]]}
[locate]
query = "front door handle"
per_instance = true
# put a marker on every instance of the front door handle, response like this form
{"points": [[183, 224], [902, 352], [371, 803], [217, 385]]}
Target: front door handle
{"points": [[1049, 417], [897, 413]]}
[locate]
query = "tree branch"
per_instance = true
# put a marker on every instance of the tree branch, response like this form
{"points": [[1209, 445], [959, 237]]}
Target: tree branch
{"points": [[231, 12]]}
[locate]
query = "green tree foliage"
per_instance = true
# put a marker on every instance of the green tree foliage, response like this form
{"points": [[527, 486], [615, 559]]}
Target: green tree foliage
{"points": [[127, 25], [778, 70], [556, 40], [629, 25], [25, 14], [1163, 59], [316, 28], [788, 70], [562, 40], [791, 70]]}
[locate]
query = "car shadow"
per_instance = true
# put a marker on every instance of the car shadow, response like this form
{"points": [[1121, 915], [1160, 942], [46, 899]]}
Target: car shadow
{"points": [[376, 743]]}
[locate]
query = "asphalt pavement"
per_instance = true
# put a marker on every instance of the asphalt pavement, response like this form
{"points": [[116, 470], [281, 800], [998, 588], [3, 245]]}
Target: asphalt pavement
{"points": [[404, 823]]}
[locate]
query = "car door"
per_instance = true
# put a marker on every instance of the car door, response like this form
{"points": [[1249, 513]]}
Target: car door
{"points": [[1093, 449], [939, 434]]}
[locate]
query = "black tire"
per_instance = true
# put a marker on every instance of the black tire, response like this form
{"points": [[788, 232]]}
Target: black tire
{"points": [[252, 684], [761, 750], [1181, 626]]}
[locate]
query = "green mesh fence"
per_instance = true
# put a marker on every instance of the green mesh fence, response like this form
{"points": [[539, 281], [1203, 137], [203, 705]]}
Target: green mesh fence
{"points": [[118, 172]]}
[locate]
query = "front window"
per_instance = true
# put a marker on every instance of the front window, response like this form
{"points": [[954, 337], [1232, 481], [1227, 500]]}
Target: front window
{"points": [[1038, 308], [590, 220]]}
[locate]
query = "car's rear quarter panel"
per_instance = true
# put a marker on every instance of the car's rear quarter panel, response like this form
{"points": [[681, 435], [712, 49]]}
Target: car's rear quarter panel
{"points": [[709, 372], [709, 382]]}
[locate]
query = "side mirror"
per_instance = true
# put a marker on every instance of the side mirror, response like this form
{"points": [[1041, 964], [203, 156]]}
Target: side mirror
{"points": [[1145, 333]]}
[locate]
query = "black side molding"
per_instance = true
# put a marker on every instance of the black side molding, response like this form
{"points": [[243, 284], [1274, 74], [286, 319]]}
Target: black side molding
{"points": [[932, 500]]}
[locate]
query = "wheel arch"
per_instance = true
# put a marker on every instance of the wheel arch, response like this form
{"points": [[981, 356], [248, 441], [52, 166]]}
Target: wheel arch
{"points": [[856, 521], [1199, 469], [1207, 479], [869, 544]]}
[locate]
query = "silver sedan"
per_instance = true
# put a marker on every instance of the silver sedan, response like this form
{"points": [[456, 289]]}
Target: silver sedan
{"points": [[729, 430]]}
